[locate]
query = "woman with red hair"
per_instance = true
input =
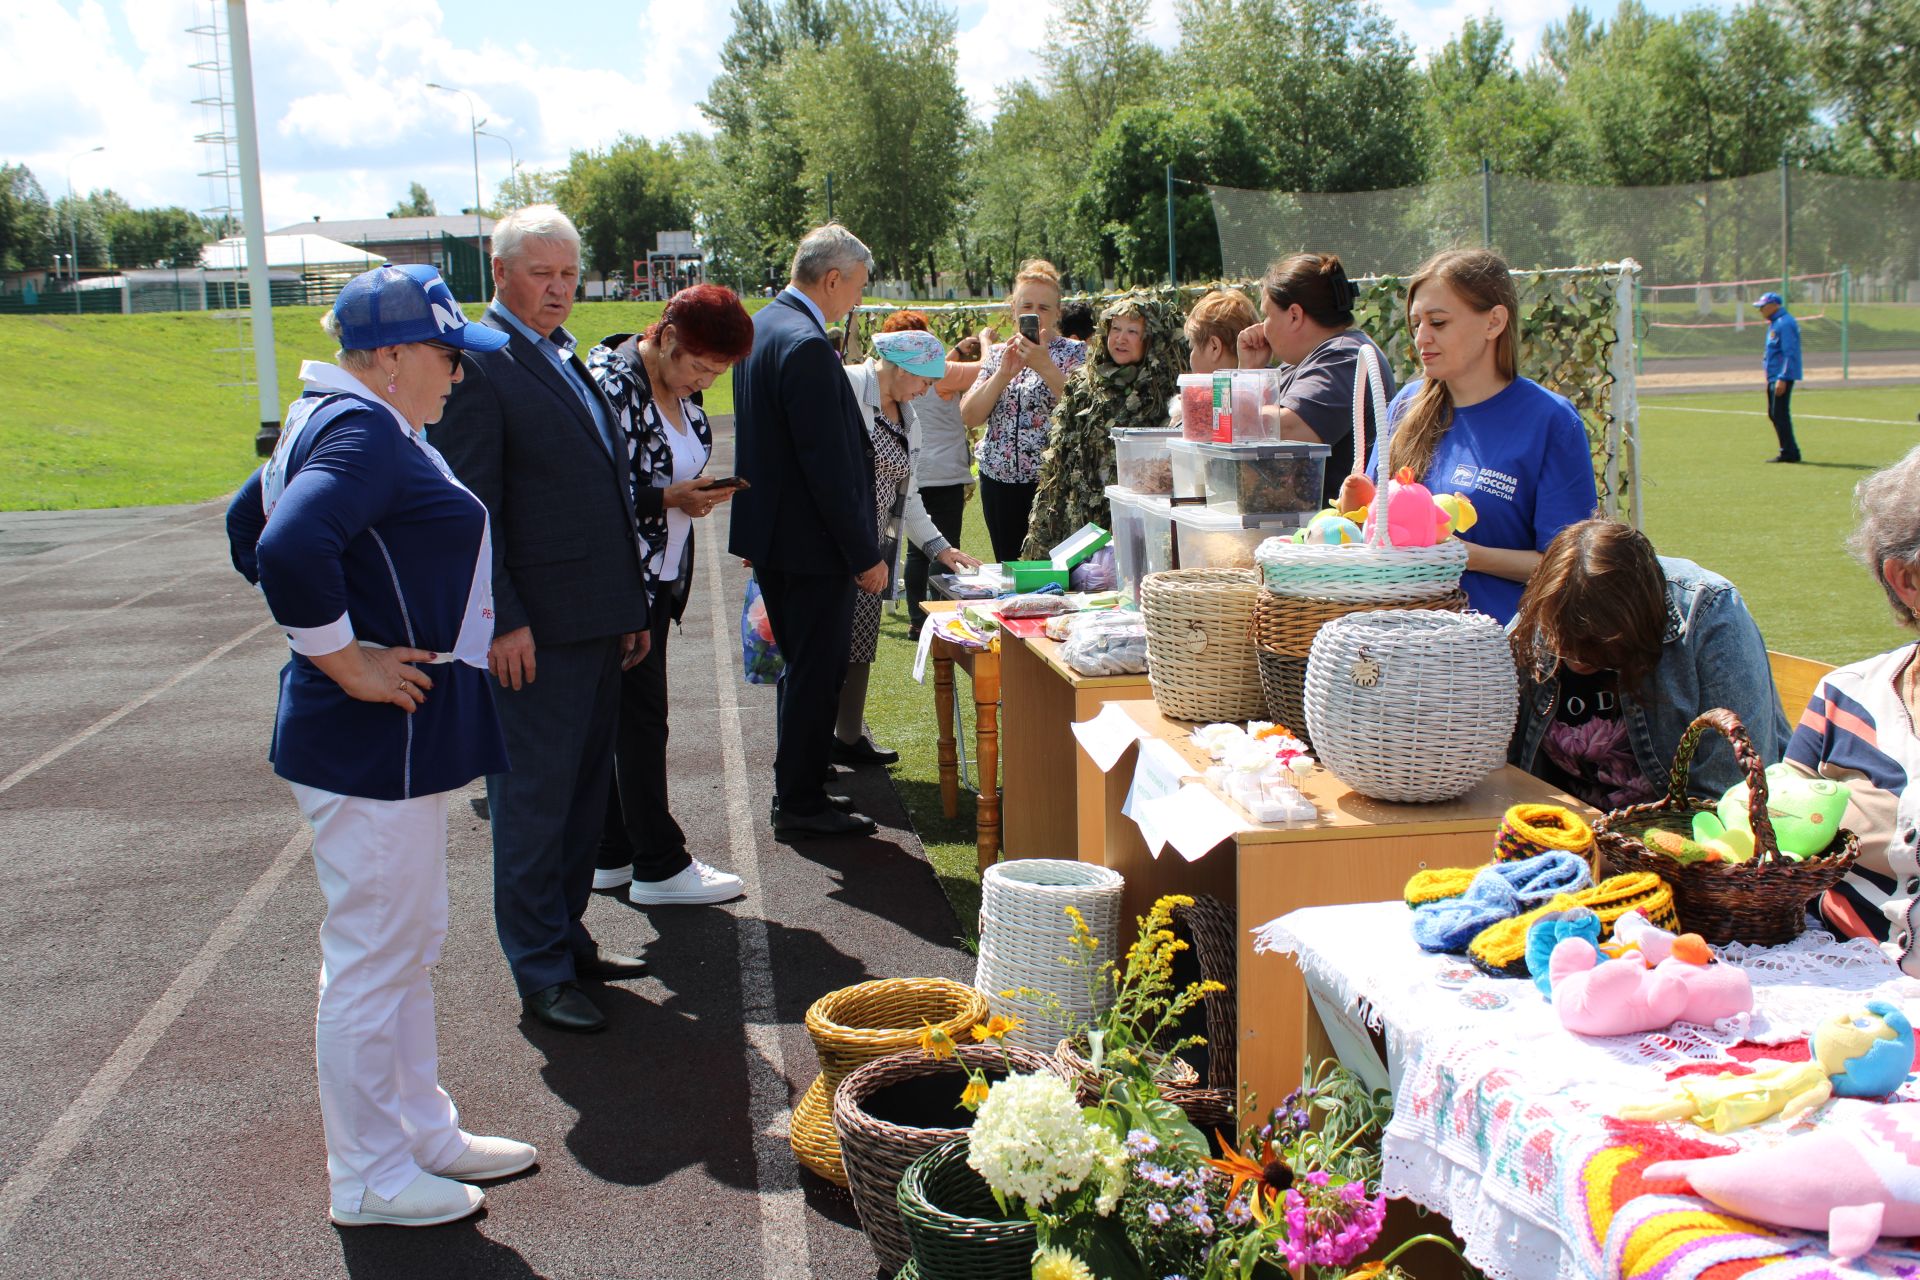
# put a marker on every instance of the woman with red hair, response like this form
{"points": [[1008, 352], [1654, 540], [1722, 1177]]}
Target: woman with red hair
{"points": [[653, 381]]}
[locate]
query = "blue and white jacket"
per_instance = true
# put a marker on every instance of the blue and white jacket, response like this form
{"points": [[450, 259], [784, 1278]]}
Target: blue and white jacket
{"points": [[1783, 347], [356, 530]]}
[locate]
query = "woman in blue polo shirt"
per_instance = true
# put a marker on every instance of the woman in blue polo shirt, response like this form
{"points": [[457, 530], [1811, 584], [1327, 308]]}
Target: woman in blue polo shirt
{"points": [[377, 564], [1472, 425]]}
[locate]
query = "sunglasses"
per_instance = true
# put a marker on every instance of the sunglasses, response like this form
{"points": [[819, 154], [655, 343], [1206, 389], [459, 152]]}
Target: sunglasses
{"points": [[452, 355]]}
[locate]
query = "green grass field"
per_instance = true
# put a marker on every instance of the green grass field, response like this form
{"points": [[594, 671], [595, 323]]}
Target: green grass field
{"points": [[1871, 327]]}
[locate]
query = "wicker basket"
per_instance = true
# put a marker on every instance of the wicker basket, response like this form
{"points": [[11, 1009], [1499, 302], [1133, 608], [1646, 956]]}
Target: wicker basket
{"points": [[1210, 924], [1283, 632], [1411, 705], [1023, 938], [857, 1024], [1199, 657], [954, 1224], [1207, 1107], [1762, 901], [1375, 572], [877, 1149]]}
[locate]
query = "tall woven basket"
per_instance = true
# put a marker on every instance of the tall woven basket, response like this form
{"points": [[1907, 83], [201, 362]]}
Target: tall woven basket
{"points": [[1415, 705], [1199, 656], [956, 1229], [1762, 901], [1283, 632], [893, 1110], [1024, 930], [1376, 572], [857, 1024]]}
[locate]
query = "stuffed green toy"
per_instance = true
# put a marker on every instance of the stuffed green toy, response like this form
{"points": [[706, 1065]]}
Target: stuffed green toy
{"points": [[1806, 814]]}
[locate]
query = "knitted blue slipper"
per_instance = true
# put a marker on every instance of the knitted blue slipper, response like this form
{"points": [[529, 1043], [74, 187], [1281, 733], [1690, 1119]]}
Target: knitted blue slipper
{"points": [[1500, 890]]}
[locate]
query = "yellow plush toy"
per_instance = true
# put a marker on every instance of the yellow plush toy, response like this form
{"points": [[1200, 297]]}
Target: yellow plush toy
{"points": [[1459, 512]]}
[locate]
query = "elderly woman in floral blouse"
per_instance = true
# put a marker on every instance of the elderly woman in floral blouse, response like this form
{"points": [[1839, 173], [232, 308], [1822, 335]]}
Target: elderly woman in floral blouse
{"points": [[1020, 381], [1140, 353]]}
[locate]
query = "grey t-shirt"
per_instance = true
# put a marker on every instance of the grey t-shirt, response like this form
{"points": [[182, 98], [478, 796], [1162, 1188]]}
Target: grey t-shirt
{"points": [[1320, 390]]}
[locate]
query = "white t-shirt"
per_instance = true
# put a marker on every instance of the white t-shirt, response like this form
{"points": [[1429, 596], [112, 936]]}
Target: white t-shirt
{"points": [[689, 459]]}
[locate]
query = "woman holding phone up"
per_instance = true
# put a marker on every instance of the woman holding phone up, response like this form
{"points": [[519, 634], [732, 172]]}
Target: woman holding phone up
{"points": [[653, 381], [1020, 381]]}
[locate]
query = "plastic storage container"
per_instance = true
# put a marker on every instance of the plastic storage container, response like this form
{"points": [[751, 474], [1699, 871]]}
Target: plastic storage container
{"points": [[1276, 477], [1129, 539], [1196, 406], [1157, 519], [1209, 539], [1140, 457], [1031, 575], [1256, 405], [1189, 469]]}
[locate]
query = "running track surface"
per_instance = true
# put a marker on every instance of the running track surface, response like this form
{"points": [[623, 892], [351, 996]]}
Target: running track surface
{"points": [[158, 953]]}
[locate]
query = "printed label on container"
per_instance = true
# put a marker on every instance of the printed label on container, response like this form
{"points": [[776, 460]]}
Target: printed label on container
{"points": [[1223, 408]]}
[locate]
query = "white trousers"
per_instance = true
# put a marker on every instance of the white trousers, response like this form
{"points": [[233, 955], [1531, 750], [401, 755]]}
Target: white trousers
{"points": [[382, 866]]}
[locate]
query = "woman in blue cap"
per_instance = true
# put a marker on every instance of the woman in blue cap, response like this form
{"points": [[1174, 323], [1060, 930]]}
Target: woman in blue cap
{"points": [[377, 564], [903, 366]]}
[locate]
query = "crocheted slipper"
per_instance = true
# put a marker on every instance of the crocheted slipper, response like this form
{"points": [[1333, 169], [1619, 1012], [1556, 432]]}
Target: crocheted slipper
{"points": [[1437, 885], [1497, 891], [1529, 829], [1501, 948]]}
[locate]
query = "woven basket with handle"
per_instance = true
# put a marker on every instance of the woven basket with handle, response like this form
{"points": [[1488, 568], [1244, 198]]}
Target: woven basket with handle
{"points": [[1283, 632], [857, 1024], [1199, 656], [1206, 1107], [1762, 901], [957, 1230], [1375, 572]]}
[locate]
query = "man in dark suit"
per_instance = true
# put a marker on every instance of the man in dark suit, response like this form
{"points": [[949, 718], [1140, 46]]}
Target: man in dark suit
{"points": [[529, 433], [806, 519]]}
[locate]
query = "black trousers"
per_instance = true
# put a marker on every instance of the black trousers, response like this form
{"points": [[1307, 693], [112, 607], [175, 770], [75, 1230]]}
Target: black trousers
{"points": [[812, 619], [548, 810], [1780, 413], [1006, 509], [947, 504], [640, 827]]}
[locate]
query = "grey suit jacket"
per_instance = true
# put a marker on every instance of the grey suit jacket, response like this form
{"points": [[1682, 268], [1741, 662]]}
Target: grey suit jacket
{"points": [[567, 559]]}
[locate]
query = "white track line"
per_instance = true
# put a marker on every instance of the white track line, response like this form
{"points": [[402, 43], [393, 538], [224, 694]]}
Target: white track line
{"points": [[18, 1192], [91, 614], [114, 717], [157, 533], [1761, 414], [783, 1207]]}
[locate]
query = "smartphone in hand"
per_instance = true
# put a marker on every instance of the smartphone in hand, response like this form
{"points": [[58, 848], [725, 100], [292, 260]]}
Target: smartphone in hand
{"points": [[726, 482], [1030, 326]]}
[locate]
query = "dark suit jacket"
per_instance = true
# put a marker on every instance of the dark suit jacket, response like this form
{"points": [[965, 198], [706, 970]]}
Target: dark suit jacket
{"points": [[800, 443], [566, 560]]}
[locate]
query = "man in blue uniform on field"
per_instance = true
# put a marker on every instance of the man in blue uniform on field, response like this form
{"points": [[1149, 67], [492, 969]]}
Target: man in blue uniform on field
{"points": [[1783, 370]]}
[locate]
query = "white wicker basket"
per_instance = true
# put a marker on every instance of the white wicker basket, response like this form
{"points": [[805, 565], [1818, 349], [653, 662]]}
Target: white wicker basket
{"points": [[1023, 936], [1414, 705]]}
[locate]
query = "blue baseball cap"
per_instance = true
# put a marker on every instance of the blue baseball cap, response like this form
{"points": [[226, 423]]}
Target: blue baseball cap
{"points": [[1765, 298], [391, 306]]}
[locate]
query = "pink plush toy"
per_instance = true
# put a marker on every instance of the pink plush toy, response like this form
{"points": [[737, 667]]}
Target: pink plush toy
{"points": [[1855, 1181], [1624, 997], [1413, 520]]}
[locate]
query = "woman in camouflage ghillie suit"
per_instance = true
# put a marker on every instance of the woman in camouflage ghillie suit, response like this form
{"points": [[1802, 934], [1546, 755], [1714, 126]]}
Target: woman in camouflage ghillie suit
{"points": [[1132, 370]]}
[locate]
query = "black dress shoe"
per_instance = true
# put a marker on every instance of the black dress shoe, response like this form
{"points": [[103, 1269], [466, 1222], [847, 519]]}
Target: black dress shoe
{"points": [[609, 965], [862, 752], [565, 1006], [827, 822], [1781, 457], [843, 803]]}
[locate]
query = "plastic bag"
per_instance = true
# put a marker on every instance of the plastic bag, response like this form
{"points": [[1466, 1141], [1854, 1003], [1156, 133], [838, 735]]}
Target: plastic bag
{"points": [[1109, 643], [1034, 604], [1095, 573], [760, 658]]}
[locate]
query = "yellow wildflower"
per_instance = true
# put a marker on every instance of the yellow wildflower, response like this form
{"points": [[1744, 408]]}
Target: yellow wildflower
{"points": [[1059, 1264], [935, 1041], [975, 1093], [996, 1028]]}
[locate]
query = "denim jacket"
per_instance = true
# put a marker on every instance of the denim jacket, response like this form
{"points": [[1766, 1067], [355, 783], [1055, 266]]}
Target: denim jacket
{"points": [[1711, 656]]}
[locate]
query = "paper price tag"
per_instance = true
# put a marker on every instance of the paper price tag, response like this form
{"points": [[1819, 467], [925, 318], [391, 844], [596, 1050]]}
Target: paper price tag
{"points": [[1107, 736], [920, 654]]}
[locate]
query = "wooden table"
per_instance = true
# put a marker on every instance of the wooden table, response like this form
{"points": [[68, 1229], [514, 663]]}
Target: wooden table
{"points": [[1358, 850], [983, 669], [1041, 698]]}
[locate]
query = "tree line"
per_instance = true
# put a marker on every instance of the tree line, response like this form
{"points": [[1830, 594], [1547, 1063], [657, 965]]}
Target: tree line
{"points": [[101, 227]]}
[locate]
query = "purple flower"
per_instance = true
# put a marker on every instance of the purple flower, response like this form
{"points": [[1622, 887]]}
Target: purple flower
{"points": [[1157, 1214]]}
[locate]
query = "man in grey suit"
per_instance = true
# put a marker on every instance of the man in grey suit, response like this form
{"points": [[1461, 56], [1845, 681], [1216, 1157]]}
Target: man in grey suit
{"points": [[529, 433]]}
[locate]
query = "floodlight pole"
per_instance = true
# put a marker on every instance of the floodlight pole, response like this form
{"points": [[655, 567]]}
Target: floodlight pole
{"points": [[1786, 234], [513, 162], [1171, 278], [1486, 203], [259, 284], [479, 236], [73, 226]]}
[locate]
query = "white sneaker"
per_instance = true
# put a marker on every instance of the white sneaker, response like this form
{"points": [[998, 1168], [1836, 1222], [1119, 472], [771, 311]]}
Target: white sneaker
{"points": [[427, 1201], [488, 1158], [612, 877], [697, 883]]}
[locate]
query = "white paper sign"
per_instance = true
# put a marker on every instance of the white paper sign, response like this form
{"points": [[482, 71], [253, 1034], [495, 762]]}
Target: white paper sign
{"points": [[1196, 821], [1107, 736], [920, 654], [1157, 776]]}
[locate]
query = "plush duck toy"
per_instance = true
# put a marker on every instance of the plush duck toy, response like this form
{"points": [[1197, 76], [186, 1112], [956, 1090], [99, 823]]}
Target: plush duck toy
{"points": [[1330, 529], [1459, 513], [1856, 1181], [1412, 518]]}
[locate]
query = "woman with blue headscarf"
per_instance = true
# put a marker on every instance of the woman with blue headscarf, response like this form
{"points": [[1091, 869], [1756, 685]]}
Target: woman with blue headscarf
{"points": [[903, 366]]}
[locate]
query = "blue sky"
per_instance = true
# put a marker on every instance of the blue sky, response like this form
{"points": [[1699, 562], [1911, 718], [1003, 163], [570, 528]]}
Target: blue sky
{"points": [[346, 121]]}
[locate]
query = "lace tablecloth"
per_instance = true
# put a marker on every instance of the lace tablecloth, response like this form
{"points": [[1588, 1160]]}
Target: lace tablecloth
{"points": [[1501, 1115]]}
